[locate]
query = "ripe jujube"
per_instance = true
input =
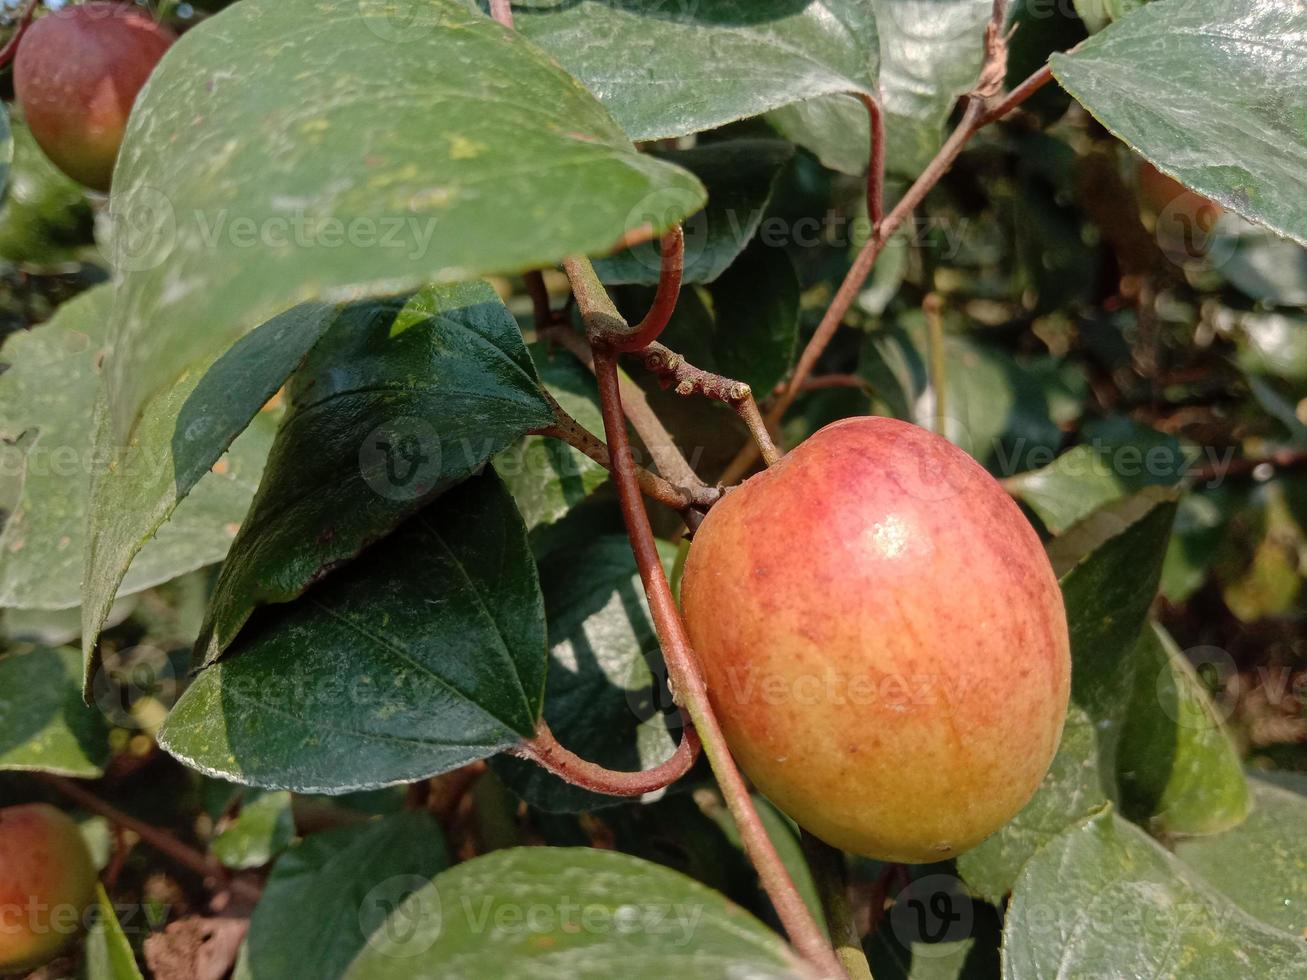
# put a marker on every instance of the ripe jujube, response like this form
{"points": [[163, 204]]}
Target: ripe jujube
{"points": [[883, 639], [47, 880], [76, 75]]}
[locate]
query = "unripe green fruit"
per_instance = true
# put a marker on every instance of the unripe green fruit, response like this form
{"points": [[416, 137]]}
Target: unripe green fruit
{"points": [[47, 880], [76, 76], [883, 639]]}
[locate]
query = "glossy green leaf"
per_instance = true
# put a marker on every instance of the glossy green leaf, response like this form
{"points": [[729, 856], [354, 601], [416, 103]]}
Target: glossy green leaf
{"points": [[1104, 900], [44, 726], [398, 401], [547, 477], [288, 150], [671, 69], [1107, 597], [739, 175], [263, 829], [601, 698], [329, 892], [1261, 865], [575, 912], [1184, 83], [1177, 768], [746, 324], [108, 954], [426, 653], [930, 53], [183, 434]]}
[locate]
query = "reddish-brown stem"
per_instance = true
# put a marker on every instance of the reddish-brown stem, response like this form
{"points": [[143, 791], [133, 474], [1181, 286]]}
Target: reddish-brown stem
{"points": [[20, 28], [542, 311], [502, 11], [546, 752], [648, 330], [1019, 94], [876, 162], [159, 839], [689, 688]]}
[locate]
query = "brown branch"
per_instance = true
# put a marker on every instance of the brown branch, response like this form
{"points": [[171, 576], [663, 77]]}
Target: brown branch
{"points": [[572, 432], [675, 372], [1019, 94], [649, 329], [157, 838], [24, 21], [876, 163], [545, 750]]}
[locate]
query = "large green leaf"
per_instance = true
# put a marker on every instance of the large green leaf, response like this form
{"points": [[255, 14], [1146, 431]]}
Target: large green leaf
{"points": [[547, 477], [44, 725], [48, 410], [930, 53], [183, 433], [571, 912], [1261, 865], [1104, 900], [1184, 83], [600, 699], [328, 893], [1107, 598], [426, 653], [398, 401], [287, 150], [739, 175], [1177, 768], [671, 69]]}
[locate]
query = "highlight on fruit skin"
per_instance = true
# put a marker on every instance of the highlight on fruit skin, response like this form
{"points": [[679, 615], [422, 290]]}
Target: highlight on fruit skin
{"points": [[76, 75], [47, 881], [884, 640]]}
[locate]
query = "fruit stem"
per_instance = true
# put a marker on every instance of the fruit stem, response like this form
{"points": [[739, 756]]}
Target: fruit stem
{"points": [[876, 162], [569, 430], [545, 750], [687, 683], [648, 330], [830, 874]]}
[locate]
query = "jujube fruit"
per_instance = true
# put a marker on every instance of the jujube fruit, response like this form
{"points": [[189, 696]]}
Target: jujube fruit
{"points": [[76, 75], [883, 640], [47, 880]]}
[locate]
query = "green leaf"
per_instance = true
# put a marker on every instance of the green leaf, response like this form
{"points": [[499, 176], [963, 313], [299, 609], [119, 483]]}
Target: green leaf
{"points": [[46, 218], [1104, 900], [1097, 14], [1182, 83], [397, 402], [327, 894], [1274, 343], [1261, 865], [108, 954], [183, 433], [44, 726], [547, 477], [287, 150], [424, 654], [746, 324], [601, 697], [930, 53], [575, 912], [1177, 768], [1107, 597], [739, 175], [6, 149], [672, 69], [263, 829]]}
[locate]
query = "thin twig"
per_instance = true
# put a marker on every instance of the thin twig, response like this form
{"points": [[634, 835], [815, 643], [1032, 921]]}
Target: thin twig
{"points": [[675, 372], [20, 28], [974, 118], [690, 690], [545, 750], [572, 432], [1019, 94], [648, 330], [876, 162], [830, 876], [502, 11]]}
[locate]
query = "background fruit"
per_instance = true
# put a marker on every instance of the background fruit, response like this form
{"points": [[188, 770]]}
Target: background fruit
{"points": [[47, 880], [76, 76], [884, 640]]}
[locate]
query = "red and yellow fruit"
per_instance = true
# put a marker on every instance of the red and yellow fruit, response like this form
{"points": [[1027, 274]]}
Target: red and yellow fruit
{"points": [[47, 881], [883, 639], [76, 75]]}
